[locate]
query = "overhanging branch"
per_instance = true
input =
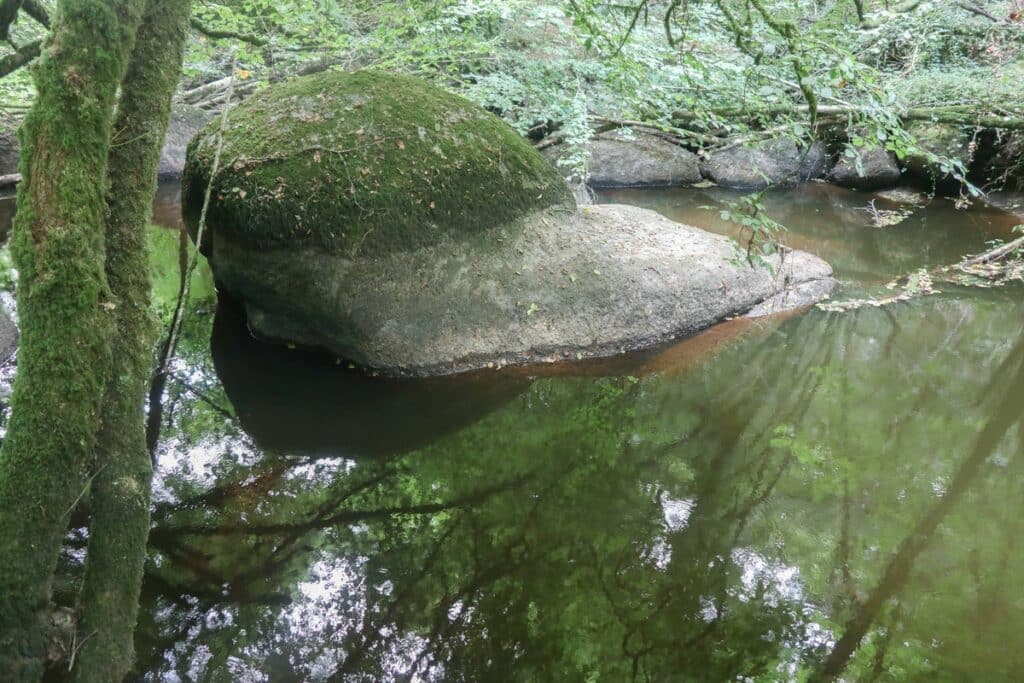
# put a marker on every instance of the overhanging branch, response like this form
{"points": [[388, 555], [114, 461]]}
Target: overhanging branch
{"points": [[20, 58], [963, 116], [221, 34]]}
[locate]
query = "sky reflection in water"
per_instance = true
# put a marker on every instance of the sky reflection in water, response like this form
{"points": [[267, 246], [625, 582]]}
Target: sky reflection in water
{"points": [[739, 505]]}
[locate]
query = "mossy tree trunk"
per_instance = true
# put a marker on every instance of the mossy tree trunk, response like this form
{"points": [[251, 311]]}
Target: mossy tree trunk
{"points": [[63, 299], [120, 493]]}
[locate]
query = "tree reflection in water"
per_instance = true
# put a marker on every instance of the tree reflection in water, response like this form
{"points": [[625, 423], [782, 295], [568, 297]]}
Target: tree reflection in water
{"points": [[837, 493]]}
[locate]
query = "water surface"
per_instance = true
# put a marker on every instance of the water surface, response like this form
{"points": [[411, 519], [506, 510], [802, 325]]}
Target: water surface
{"points": [[808, 496]]}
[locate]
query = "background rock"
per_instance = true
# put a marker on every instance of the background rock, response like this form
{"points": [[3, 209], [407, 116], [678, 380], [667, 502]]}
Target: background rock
{"points": [[8, 337], [879, 167], [185, 122], [643, 161], [9, 151], [771, 162], [943, 140]]}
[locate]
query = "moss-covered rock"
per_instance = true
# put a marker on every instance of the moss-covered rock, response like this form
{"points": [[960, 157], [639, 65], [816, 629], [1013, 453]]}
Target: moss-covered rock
{"points": [[406, 230], [877, 170], [364, 162], [636, 160], [937, 141]]}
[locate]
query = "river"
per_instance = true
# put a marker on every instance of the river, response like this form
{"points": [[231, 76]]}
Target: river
{"points": [[813, 495]]}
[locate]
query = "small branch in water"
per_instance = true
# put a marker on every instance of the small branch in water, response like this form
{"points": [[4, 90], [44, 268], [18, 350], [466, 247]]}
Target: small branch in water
{"points": [[206, 398], [75, 647], [996, 254], [978, 270]]}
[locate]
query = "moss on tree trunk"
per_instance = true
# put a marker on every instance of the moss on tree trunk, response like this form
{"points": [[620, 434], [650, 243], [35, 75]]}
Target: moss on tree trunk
{"points": [[64, 310], [120, 493]]}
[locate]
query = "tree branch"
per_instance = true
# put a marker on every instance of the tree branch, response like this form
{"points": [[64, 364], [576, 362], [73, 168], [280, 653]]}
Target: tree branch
{"points": [[974, 9], [859, 6], [9, 12], [898, 9], [225, 34], [954, 115], [24, 55]]}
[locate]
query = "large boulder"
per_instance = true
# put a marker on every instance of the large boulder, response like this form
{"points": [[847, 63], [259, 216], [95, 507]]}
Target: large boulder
{"points": [[877, 170], [772, 162], [406, 230]]}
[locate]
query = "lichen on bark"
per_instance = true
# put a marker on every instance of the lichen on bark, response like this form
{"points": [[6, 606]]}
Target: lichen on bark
{"points": [[120, 493], [63, 307]]}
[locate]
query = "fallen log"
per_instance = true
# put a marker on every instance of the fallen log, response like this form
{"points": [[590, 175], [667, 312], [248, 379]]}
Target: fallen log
{"points": [[957, 115]]}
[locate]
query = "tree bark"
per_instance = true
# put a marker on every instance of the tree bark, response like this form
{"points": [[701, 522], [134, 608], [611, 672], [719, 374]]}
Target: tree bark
{"points": [[20, 57], [120, 495], [8, 13], [63, 307]]}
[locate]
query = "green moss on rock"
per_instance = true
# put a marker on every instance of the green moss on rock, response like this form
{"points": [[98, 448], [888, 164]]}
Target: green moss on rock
{"points": [[364, 162], [941, 139]]}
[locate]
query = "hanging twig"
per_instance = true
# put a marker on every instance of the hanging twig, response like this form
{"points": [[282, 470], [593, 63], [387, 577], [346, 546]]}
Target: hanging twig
{"points": [[171, 342]]}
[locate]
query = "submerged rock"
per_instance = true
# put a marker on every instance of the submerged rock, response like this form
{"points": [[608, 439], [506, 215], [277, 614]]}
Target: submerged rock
{"points": [[878, 170], [902, 195], [772, 162], [406, 230]]}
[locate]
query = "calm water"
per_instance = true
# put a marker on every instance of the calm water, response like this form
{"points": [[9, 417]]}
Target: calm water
{"points": [[817, 496]]}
